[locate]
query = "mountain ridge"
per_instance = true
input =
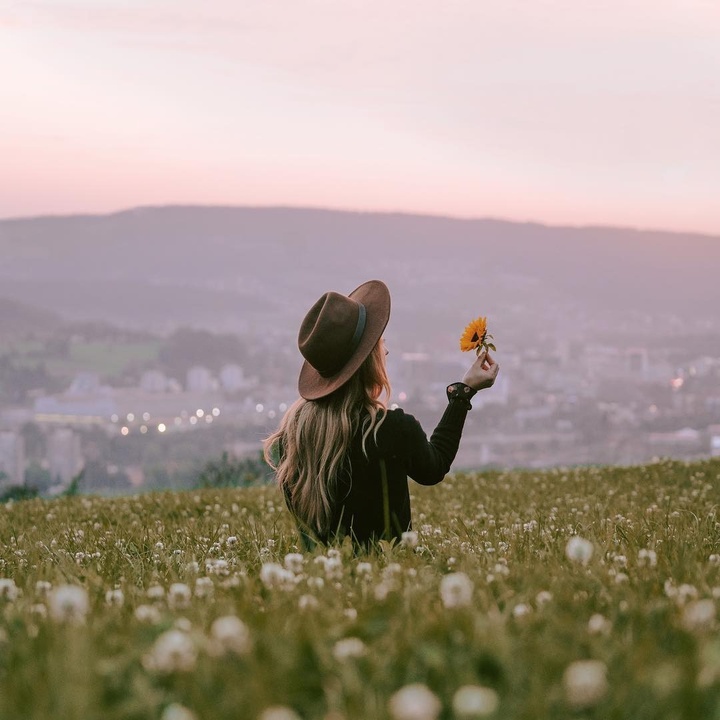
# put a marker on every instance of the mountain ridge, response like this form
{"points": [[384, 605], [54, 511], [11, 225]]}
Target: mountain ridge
{"points": [[236, 268]]}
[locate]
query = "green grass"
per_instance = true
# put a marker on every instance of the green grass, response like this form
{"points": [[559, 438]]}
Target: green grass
{"points": [[507, 532], [107, 359]]}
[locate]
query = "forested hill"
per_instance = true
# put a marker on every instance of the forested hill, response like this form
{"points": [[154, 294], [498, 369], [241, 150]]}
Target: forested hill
{"points": [[211, 265]]}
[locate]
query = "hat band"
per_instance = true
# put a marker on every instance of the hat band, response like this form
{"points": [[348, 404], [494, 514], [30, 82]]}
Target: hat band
{"points": [[354, 342], [359, 328]]}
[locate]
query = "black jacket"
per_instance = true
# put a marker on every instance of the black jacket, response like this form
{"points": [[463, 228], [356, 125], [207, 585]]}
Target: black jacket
{"points": [[372, 500]]}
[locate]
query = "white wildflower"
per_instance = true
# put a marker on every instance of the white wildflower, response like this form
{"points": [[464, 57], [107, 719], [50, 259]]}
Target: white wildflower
{"points": [[231, 541], [38, 610], [179, 596], [115, 598], [474, 701], [217, 566], [8, 589], [307, 602], [350, 613], [599, 625], [69, 603], [543, 597], [521, 611], [279, 712], [585, 683], [175, 711], [172, 652], [414, 702], [647, 558], [43, 587], [147, 614], [347, 648], [456, 590], [686, 592], [409, 539], [182, 624], [204, 587], [294, 562], [698, 615], [229, 634], [579, 550], [155, 592], [273, 575], [333, 568], [363, 568]]}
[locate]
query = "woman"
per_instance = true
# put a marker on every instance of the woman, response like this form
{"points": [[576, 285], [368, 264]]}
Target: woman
{"points": [[341, 457]]}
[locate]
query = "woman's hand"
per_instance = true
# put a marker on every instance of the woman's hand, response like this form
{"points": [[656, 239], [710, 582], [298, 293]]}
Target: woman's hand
{"points": [[482, 372]]}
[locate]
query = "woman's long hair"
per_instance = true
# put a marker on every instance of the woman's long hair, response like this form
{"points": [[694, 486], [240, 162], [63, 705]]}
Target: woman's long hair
{"points": [[311, 448]]}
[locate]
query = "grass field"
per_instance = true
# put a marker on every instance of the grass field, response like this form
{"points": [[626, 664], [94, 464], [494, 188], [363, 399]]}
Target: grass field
{"points": [[106, 359], [198, 605]]}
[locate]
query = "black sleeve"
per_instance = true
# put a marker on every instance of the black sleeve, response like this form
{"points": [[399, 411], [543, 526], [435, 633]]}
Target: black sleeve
{"points": [[430, 460]]}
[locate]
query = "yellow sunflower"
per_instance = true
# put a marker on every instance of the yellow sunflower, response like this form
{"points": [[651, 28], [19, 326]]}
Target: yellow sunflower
{"points": [[474, 335]]}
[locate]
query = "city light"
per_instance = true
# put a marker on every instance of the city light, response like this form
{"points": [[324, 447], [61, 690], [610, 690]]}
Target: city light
{"points": [[200, 412], [146, 416], [283, 407], [161, 427], [215, 412], [402, 396], [143, 429], [114, 418], [124, 430], [271, 414], [208, 419], [259, 407], [193, 420], [130, 417], [677, 383], [178, 421]]}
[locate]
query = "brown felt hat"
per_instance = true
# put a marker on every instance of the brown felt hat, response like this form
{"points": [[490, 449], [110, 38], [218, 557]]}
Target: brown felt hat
{"points": [[337, 334]]}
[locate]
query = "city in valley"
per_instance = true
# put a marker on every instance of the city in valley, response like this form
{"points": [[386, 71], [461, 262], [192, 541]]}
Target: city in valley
{"points": [[139, 426], [139, 349]]}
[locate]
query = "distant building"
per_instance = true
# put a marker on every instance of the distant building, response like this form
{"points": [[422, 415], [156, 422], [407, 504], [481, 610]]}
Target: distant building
{"points": [[64, 455], [714, 432], [233, 378], [12, 458], [637, 362], [153, 381], [199, 379], [86, 401]]}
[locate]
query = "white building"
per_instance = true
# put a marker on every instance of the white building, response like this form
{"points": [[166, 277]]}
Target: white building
{"points": [[199, 379], [64, 455], [153, 381], [233, 378], [12, 458]]}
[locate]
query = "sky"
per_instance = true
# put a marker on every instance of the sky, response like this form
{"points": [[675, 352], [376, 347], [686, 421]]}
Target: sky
{"points": [[565, 112]]}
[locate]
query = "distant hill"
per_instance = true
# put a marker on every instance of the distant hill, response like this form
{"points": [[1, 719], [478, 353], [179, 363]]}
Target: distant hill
{"points": [[229, 268], [21, 320]]}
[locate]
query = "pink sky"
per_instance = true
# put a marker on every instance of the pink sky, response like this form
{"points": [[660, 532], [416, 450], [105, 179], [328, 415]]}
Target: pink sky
{"points": [[565, 112]]}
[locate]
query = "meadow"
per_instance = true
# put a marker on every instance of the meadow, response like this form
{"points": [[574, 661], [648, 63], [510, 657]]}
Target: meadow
{"points": [[570, 593]]}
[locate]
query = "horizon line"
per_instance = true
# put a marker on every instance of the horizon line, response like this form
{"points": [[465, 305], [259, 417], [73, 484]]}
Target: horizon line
{"points": [[353, 211]]}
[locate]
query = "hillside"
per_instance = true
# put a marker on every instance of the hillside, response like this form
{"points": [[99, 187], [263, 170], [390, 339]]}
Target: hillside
{"points": [[19, 319], [588, 592], [231, 268]]}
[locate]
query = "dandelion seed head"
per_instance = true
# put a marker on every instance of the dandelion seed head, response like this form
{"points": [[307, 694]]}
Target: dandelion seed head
{"points": [[585, 683], [414, 702], [69, 604], [474, 701], [579, 550], [456, 590]]}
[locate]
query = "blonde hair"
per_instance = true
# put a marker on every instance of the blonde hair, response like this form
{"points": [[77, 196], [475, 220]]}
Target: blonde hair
{"points": [[314, 440]]}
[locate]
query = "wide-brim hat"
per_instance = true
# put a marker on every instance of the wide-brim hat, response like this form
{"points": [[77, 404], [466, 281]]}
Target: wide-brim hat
{"points": [[337, 335]]}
